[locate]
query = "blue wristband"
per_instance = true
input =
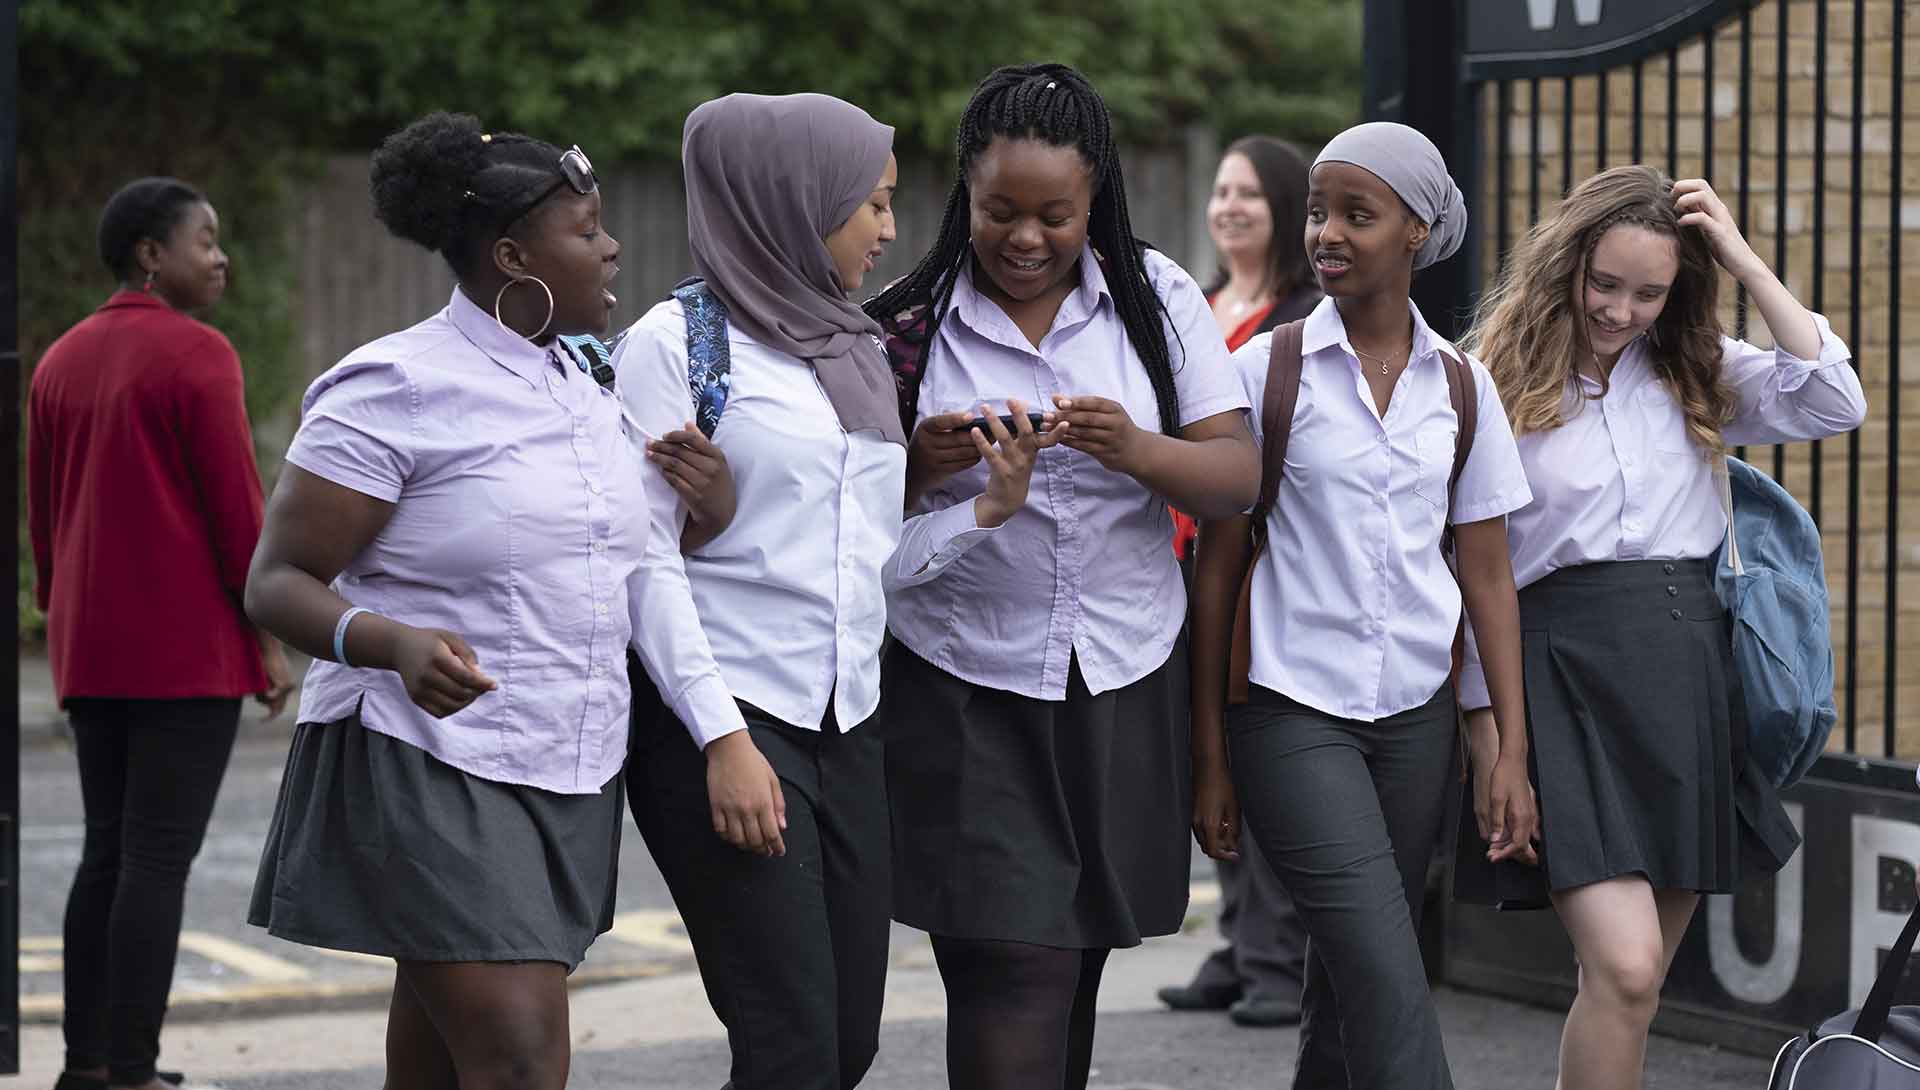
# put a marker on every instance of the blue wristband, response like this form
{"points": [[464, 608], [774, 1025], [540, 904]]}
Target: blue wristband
{"points": [[340, 634]]}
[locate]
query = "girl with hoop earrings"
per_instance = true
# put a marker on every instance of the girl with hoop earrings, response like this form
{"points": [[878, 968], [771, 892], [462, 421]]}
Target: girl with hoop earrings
{"points": [[465, 540]]}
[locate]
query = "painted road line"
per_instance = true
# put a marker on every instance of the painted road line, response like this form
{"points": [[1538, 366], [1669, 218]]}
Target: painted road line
{"points": [[254, 963], [654, 929], [265, 999]]}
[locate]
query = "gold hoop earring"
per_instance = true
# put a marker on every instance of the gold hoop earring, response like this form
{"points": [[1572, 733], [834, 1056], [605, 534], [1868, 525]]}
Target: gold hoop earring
{"points": [[503, 294]]}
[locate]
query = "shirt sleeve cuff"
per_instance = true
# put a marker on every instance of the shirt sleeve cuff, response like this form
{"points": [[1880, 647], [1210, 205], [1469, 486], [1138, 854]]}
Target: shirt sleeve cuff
{"points": [[708, 710], [1504, 502], [1473, 688], [939, 539], [1795, 371]]}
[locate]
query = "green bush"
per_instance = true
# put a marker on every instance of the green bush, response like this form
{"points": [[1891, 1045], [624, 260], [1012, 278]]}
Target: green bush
{"points": [[240, 98]]}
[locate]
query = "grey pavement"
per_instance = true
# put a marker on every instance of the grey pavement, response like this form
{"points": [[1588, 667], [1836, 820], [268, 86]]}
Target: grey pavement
{"points": [[251, 1011]]}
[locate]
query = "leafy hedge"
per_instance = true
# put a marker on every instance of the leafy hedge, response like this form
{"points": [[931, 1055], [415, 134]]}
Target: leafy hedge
{"points": [[240, 97]]}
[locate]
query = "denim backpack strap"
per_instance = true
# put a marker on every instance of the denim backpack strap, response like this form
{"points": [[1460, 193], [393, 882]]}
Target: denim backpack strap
{"points": [[709, 369], [592, 355]]}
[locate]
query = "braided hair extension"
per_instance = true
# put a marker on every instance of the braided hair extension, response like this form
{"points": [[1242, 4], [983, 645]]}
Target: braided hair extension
{"points": [[1054, 104]]}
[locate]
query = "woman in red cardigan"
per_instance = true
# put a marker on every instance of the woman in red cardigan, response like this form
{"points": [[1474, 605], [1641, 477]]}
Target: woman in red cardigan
{"points": [[144, 504]]}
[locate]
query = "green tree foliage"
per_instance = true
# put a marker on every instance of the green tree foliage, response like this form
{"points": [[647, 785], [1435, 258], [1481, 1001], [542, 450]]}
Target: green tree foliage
{"points": [[241, 96]]}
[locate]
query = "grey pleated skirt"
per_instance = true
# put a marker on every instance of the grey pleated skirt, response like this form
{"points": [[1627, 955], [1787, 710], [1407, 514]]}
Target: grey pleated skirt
{"points": [[1060, 823], [1638, 741], [379, 847]]}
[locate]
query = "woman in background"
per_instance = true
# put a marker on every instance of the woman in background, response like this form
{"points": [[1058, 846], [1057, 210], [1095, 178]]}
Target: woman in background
{"points": [[143, 503]]}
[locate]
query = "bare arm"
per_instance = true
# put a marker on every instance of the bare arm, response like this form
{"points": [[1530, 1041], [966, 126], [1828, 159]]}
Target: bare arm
{"points": [[313, 529], [1492, 604], [1221, 559]]}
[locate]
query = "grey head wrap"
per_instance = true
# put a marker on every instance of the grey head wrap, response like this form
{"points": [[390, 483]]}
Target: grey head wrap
{"points": [[1412, 167], [768, 178]]}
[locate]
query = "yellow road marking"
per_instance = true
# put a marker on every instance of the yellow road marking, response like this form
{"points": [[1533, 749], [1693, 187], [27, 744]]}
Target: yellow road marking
{"points": [[43, 1009], [40, 963], [255, 964], [654, 929], [41, 943]]}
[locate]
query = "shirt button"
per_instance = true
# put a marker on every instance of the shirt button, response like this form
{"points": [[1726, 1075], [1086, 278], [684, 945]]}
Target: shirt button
{"points": [[600, 608], [1630, 526], [593, 487], [1674, 613], [1673, 592], [1667, 568], [599, 546]]}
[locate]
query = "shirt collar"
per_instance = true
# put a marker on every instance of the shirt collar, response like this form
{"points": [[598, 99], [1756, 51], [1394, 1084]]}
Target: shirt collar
{"points": [[509, 350], [129, 297], [975, 310], [1325, 329]]}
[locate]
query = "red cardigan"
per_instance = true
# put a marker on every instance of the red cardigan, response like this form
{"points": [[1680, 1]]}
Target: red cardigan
{"points": [[144, 506]]}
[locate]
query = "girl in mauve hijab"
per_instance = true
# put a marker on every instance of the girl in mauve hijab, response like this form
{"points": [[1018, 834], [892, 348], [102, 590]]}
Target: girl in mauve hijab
{"points": [[774, 838]]}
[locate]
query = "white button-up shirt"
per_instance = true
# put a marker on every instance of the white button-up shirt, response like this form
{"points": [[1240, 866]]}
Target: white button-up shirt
{"points": [[789, 592], [1354, 608], [1085, 570], [522, 522], [1623, 480]]}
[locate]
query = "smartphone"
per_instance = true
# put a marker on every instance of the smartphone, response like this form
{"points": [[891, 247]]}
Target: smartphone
{"points": [[979, 423]]}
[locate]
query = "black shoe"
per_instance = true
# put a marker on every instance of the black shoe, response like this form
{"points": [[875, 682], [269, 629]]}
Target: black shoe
{"points": [[1192, 997], [70, 1081], [1263, 1013]]}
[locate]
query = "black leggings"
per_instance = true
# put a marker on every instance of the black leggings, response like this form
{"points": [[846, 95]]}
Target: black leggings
{"points": [[149, 772], [1019, 1016]]}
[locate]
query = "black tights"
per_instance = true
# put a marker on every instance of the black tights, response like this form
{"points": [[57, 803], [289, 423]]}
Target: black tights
{"points": [[1019, 1016]]}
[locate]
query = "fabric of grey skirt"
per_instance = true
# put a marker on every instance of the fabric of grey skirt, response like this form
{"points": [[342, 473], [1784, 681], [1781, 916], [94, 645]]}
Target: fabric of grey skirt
{"points": [[1060, 823], [1638, 741], [378, 846]]}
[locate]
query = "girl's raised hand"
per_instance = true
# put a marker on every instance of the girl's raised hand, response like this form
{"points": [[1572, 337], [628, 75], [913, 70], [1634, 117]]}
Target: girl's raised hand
{"points": [[1701, 208], [1009, 457]]}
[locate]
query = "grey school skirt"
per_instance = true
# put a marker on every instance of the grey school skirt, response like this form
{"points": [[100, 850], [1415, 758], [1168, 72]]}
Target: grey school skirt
{"points": [[1060, 823], [1638, 741], [379, 847]]}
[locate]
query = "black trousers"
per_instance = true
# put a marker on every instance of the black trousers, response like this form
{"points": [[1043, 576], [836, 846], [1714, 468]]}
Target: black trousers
{"points": [[1347, 813], [149, 773], [792, 950]]}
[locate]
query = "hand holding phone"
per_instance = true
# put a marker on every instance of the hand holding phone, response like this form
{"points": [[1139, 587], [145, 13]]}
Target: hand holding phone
{"points": [[1037, 420]]}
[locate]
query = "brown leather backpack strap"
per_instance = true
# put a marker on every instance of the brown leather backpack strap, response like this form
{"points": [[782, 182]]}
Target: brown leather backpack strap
{"points": [[1466, 410], [1276, 427], [1276, 416]]}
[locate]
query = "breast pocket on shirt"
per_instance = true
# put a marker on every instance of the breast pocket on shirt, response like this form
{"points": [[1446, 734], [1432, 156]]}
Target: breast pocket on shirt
{"points": [[1663, 421], [1433, 449]]}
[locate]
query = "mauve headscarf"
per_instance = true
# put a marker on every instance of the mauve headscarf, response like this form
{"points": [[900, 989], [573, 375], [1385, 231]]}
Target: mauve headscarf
{"points": [[1412, 167], [768, 178]]}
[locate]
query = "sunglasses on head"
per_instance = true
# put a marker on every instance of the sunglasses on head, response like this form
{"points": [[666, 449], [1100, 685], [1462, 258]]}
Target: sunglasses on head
{"points": [[576, 173]]}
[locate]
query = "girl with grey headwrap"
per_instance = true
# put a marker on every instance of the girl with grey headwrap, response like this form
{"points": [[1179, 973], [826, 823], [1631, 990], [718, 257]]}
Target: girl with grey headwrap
{"points": [[774, 838], [1339, 758]]}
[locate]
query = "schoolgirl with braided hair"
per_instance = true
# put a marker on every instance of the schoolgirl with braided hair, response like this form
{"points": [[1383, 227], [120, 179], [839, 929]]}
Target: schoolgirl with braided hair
{"points": [[1036, 689]]}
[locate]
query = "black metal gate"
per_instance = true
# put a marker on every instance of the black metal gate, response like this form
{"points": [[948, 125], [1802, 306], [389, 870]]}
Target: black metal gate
{"points": [[1795, 110]]}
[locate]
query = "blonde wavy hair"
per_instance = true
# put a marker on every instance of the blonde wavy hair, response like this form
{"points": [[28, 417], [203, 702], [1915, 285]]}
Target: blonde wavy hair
{"points": [[1530, 330]]}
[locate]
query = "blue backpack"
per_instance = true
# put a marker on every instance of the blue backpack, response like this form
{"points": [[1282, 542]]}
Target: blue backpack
{"points": [[709, 366], [1772, 579]]}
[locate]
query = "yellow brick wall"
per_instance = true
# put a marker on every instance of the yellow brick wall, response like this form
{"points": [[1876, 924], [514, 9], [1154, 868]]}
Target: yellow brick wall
{"points": [[1700, 104]]}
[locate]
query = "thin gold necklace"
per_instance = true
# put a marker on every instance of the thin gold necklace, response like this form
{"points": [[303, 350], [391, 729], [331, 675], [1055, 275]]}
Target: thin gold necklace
{"points": [[1383, 361]]}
